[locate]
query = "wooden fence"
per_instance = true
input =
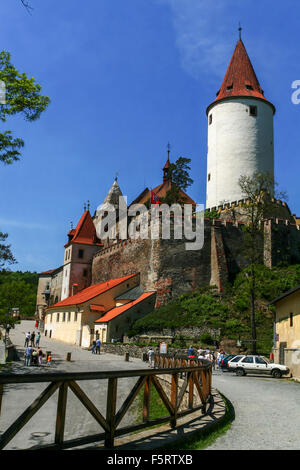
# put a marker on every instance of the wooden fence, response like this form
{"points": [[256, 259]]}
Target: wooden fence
{"points": [[196, 377]]}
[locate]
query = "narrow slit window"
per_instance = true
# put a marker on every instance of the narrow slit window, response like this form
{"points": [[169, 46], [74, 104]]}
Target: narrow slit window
{"points": [[291, 319], [210, 119], [253, 110], [208, 177]]}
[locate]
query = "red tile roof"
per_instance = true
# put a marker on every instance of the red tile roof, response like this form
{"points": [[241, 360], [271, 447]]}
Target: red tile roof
{"points": [[90, 292], [114, 312], [97, 308], [48, 272], [161, 191], [167, 165], [240, 73], [85, 232]]}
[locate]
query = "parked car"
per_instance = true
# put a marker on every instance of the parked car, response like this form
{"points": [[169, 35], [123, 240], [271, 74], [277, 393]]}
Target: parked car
{"points": [[224, 361], [255, 364]]}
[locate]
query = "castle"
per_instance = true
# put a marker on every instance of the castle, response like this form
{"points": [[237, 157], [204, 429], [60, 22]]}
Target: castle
{"points": [[105, 285]]}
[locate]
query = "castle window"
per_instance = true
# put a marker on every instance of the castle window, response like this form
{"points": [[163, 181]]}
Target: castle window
{"points": [[69, 316], [249, 87], [208, 177], [291, 319], [253, 110], [80, 253], [64, 316], [210, 119], [57, 317], [84, 272], [75, 316]]}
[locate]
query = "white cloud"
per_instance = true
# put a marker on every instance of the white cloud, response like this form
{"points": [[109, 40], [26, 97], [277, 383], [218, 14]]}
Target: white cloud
{"points": [[23, 225], [203, 36]]}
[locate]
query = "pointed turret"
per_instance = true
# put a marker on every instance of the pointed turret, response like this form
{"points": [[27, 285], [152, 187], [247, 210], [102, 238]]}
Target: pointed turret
{"points": [[240, 79], [113, 195], [240, 131]]}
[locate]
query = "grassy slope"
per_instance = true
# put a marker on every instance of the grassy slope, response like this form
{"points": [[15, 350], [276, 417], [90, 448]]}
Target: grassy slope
{"points": [[230, 312]]}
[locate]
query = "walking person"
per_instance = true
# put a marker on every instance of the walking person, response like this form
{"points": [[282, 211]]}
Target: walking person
{"points": [[40, 356], [27, 338], [94, 347], [32, 338], [98, 344], [38, 337], [28, 356], [151, 357], [49, 360]]}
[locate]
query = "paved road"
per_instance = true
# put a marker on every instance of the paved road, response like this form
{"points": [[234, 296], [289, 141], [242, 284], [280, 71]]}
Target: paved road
{"points": [[40, 429], [267, 413], [267, 410]]}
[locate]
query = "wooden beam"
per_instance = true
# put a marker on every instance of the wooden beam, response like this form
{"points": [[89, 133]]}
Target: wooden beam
{"points": [[174, 391], [1, 396], [191, 391], [147, 396], [198, 386], [163, 395], [61, 413], [135, 390], [111, 411], [88, 404], [27, 414]]}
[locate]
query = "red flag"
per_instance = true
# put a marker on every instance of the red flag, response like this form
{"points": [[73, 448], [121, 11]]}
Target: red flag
{"points": [[154, 198]]}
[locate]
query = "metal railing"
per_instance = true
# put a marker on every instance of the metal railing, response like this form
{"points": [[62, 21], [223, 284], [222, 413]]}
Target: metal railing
{"points": [[197, 382]]}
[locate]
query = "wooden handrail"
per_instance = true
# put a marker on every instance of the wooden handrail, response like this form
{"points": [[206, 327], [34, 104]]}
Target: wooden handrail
{"points": [[197, 377]]}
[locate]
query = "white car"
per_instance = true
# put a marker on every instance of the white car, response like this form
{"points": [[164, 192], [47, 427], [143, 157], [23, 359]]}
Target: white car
{"points": [[256, 365]]}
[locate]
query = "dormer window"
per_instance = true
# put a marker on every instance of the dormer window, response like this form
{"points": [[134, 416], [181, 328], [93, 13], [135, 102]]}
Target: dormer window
{"points": [[229, 87], [249, 87]]}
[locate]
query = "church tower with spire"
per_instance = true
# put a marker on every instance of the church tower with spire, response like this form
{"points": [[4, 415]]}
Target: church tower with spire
{"points": [[240, 131]]}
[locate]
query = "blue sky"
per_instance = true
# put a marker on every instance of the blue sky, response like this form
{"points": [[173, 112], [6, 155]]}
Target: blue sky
{"points": [[126, 77]]}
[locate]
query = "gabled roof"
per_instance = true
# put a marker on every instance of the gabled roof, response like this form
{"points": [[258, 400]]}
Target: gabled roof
{"points": [[85, 232], [286, 294], [90, 292], [161, 191], [50, 272], [240, 79], [114, 312], [131, 294]]}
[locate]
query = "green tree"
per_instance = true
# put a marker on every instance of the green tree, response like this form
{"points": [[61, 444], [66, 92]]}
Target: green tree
{"points": [[257, 190], [16, 294], [6, 255], [178, 173], [22, 96]]}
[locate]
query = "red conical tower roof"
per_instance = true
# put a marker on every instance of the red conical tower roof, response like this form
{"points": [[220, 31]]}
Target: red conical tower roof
{"points": [[240, 79], [85, 232]]}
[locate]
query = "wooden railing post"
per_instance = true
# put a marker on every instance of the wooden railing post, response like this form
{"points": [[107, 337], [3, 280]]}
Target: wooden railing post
{"points": [[1, 395], [111, 411], [204, 388], [174, 391], [191, 391], [147, 394], [61, 413]]}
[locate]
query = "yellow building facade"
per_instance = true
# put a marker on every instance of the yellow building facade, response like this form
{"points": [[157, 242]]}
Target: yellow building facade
{"points": [[287, 330]]}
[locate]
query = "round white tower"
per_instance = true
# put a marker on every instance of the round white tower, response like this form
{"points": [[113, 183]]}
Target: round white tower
{"points": [[240, 132]]}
